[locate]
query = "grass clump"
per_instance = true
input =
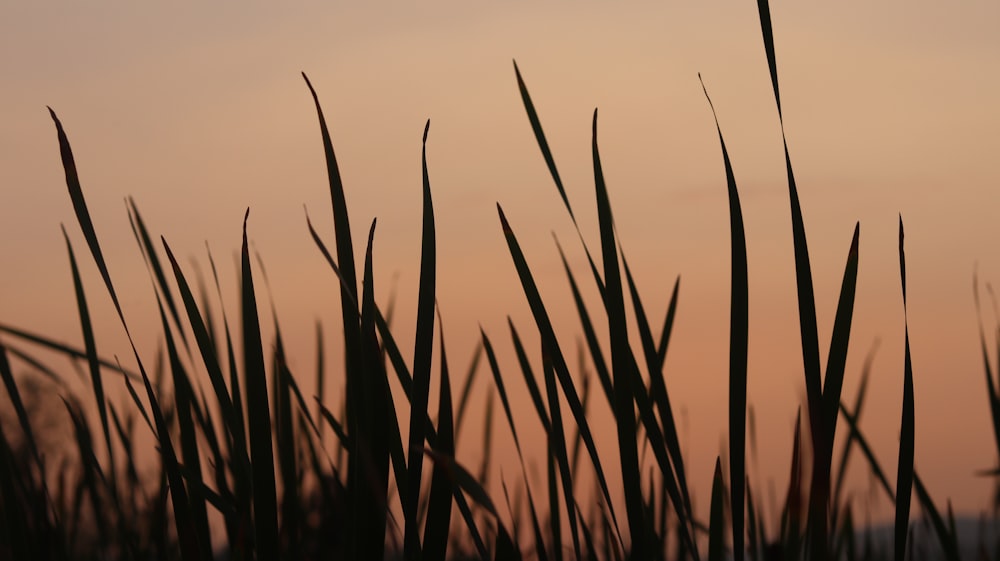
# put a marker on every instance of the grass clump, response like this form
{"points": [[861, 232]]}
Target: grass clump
{"points": [[244, 470]]}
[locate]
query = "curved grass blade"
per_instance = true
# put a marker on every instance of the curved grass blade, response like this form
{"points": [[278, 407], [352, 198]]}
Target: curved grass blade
{"points": [[146, 244], [369, 461], [675, 479], [904, 476], [265, 507], [558, 361], [353, 345], [91, 350], [61, 348], [620, 361], [837, 359], [189, 545], [422, 352], [80, 207], [234, 379], [543, 145], [590, 336], [233, 421], [819, 496], [739, 328], [803, 271]]}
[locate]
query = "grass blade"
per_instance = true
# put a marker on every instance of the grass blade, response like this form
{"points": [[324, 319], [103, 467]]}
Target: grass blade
{"points": [[819, 496], [265, 507], [738, 335], [558, 361], [557, 447], [498, 380], [439, 503], [543, 145], [91, 350], [369, 462], [590, 336], [674, 476], [422, 351], [529, 376], [146, 244], [717, 519], [620, 361], [904, 476]]}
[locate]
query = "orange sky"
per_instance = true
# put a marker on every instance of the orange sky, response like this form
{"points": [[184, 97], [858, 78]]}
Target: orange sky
{"points": [[199, 112]]}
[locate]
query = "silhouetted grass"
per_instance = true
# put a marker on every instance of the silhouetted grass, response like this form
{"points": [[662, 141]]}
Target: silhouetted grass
{"points": [[250, 475]]}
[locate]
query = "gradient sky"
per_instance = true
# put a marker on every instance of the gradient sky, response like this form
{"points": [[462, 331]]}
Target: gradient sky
{"points": [[199, 112]]}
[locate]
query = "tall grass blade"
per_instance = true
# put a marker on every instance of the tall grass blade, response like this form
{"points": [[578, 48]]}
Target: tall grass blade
{"points": [[91, 348], [543, 145], [819, 496], [369, 461], [265, 507], [146, 243], [590, 336], [80, 207], [210, 359], [620, 361], [739, 328], [353, 346], [422, 351], [804, 284], [675, 480], [234, 379], [183, 404], [904, 476], [558, 361]]}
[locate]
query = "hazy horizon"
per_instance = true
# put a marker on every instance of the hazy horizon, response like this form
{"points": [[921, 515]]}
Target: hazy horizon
{"points": [[199, 113]]}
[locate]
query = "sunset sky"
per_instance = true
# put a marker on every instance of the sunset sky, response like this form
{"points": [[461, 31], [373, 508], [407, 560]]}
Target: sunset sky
{"points": [[199, 112]]}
